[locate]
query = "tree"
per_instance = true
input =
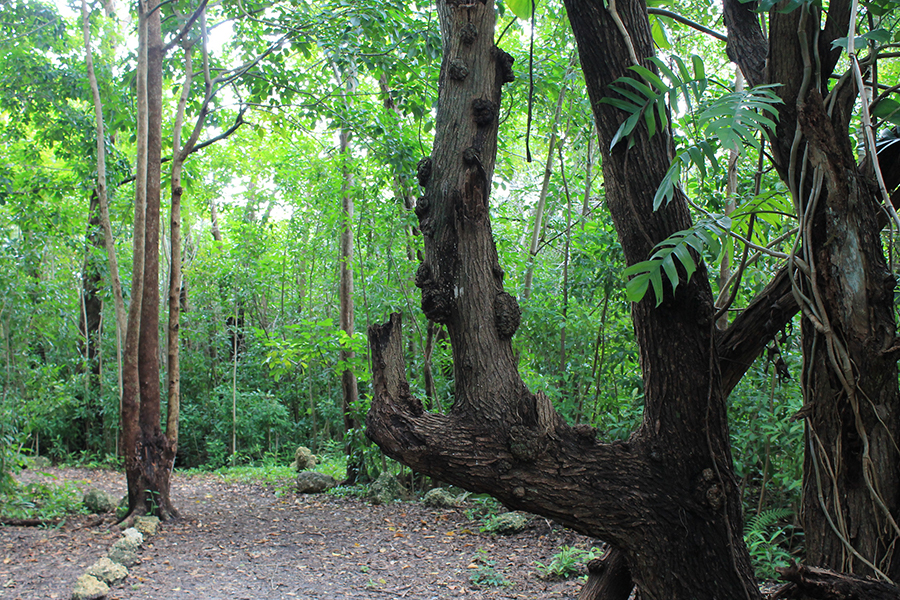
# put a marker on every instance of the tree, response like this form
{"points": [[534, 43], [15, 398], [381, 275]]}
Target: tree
{"points": [[149, 456], [671, 483], [674, 475], [851, 493]]}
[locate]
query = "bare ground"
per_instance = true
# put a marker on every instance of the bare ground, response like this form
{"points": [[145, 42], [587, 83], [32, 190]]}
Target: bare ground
{"points": [[237, 541]]}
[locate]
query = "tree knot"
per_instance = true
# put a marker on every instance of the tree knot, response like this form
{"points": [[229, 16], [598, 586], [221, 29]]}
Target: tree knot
{"points": [[458, 70], [423, 171], [526, 443], [507, 315], [483, 111], [504, 62]]}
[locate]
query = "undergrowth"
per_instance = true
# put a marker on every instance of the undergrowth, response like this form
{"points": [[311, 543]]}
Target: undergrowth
{"points": [[566, 563], [44, 501]]}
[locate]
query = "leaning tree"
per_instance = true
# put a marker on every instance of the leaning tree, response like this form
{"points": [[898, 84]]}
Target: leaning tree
{"points": [[667, 497]]}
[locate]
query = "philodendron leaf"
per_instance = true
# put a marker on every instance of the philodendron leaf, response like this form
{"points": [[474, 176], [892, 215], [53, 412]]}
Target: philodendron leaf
{"points": [[520, 8]]}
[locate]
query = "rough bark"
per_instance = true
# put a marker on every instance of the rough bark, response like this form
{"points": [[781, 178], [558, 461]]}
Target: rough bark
{"points": [[608, 578], [851, 497], [667, 497]]}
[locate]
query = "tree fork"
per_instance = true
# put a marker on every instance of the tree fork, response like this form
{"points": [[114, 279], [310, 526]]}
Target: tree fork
{"points": [[671, 483]]}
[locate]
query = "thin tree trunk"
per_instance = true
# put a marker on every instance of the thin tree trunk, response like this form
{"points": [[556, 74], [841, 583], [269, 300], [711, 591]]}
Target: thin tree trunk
{"points": [[586, 203], [102, 197], [214, 220], [730, 206], [349, 388], [179, 155], [565, 281]]}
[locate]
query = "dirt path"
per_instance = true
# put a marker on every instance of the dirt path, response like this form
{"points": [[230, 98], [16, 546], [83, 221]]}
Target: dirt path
{"points": [[237, 541]]}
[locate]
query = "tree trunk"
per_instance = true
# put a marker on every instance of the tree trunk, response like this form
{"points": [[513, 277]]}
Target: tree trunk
{"points": [[149, 456], [89, 321], [349, 388], [851, 494], [667, 497], [608, 578], [102, 200]]}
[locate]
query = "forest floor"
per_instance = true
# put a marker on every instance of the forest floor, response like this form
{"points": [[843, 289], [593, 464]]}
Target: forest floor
{"points": [[236, 540]]}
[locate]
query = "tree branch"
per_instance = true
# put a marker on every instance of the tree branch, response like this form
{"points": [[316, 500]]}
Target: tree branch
{"points": [[187, 27], [234, 127], [747, 46], [681, 19]]}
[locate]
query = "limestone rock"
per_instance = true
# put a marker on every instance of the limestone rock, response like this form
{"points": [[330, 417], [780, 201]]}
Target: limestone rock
{"points": [[440, 498], [303, 459], [88, 587], [98, 502], [108, 571], [311, 482], [387, 488], [126, 558], [131, 539], [147, 525], [124, 551]]}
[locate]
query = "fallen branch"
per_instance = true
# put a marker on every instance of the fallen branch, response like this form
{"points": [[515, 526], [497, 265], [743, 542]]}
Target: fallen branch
{"points": [[813, 583]]}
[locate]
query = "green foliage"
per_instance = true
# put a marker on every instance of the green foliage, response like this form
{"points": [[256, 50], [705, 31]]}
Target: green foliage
{"points": [[766, 541], [566, 563], [676, 246], [520, 8], [485, 573], [45, 501]]}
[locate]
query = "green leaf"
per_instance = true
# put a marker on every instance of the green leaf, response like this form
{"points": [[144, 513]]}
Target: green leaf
{"points": [[637, 286], [656, 281], [658, 31], [684, 256], [520, 8], [885, 108], [668, 265]]}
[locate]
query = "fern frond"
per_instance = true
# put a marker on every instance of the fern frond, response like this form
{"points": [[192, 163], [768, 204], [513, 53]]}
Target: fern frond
{"points": [[765, 519]]}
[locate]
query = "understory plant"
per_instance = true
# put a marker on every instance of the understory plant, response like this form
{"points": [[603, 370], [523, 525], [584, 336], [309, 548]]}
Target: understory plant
{"points": [[566, 563]]}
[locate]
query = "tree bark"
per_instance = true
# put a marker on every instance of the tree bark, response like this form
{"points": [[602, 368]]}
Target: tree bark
{"points": [[667, 497], [810, 583], [851, 495], [349, 387], [149, 456], [608, 578]]}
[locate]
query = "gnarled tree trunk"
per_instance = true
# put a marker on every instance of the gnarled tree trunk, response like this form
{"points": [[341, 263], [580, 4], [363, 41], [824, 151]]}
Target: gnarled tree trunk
{"points": [[667, 497]]}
